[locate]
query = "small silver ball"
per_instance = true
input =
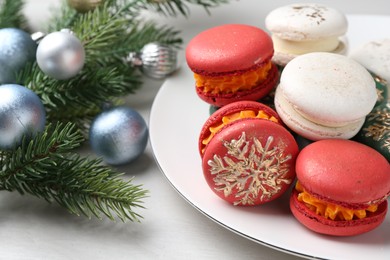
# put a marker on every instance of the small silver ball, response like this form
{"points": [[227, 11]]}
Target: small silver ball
{"points": [[21, 114], [119, 135], [16, 48], [60, 55], [157, 60]]}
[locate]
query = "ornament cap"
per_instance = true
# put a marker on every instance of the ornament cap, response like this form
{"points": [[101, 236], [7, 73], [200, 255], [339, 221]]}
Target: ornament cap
{"points": [[38, 36], [134, 59]]}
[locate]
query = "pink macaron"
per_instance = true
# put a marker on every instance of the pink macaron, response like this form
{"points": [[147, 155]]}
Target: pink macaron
{"points": [[232, 62], [342, 187], [248, 156]]}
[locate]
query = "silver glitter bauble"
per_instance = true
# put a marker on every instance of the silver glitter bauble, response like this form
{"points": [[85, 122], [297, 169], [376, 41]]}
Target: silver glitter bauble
{"points": [[60, 55], [17, 48], [155, 60], [83, 6], [21, 114], [119, 135]]}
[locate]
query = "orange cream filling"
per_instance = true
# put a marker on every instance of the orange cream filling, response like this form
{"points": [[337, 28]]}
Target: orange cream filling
{"points": [[235, 116], [231, 84], [330, 210]]}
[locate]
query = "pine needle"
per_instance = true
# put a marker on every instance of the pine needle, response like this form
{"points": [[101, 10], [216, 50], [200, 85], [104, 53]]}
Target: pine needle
{"points": [[48, 166]]}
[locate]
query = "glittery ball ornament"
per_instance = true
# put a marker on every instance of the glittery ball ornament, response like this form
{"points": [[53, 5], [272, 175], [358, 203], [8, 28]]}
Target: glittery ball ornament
{"points": [[60, 55], [17, 48], [119, 135], [21, 114], [83, 6], [155, 60]]}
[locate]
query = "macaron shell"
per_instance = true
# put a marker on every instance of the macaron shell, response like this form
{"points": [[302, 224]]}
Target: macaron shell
{"points": [[253, 94], [216, 117], [250, 162], [344, 172], [308, 129], [222, 49], [375, 56], [325, 226], [328, 89], [306, 21]]}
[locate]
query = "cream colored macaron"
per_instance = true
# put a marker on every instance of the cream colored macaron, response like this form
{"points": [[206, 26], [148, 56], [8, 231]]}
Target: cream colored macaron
{"points": [[375, 56], [325, 95], [302, 28]]}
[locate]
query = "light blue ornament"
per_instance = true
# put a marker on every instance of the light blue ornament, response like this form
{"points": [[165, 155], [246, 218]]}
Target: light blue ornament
{"points": [[21, 114], [16, 48], [7, 75], [119, 135]]}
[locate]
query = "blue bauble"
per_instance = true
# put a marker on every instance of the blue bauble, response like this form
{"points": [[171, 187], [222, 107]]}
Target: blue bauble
{"points": [[119, 135], [16, 48], [7, 75], [21, 114]]}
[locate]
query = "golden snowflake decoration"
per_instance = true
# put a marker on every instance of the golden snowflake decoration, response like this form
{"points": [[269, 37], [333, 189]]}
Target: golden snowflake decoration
{"points": [[380, 128], [251, 170]]}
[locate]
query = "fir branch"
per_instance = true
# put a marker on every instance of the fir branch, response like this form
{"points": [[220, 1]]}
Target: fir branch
{"points": [[175, 7], [146, 32], [81, 98], [11, 14], [107, 38], [45, 167]]}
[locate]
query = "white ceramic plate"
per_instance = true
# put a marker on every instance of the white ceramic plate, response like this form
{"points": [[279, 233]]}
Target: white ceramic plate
{"points": [[176, 118]]}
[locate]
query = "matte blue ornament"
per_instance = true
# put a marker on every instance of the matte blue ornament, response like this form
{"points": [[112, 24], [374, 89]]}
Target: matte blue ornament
{"points": [[119, 135], [16, 48], [7, 75], [21, 114]]}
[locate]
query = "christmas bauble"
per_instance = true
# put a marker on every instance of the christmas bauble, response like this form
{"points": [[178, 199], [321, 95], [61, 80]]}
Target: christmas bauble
{"points": [[16, 49], [7, 75], [119, 135], [60, 55], [155, 60], [83, 6], [21, 114]]}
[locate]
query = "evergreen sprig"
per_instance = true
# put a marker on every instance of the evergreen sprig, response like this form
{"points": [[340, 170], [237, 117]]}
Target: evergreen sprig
{"points": [[108, 37], [175, 7], [11, 14], [49, 166]]}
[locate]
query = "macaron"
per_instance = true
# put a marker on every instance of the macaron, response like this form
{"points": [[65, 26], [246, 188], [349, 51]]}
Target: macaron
{"points": [[342, 188], [375, 56], [248, 156], [232, 62], [302, 28], [325, 95]]}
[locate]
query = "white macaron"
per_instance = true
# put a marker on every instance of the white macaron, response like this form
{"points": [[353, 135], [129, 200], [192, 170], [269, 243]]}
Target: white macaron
{"points": [[375, 56], [325, 95], [302, 28]]}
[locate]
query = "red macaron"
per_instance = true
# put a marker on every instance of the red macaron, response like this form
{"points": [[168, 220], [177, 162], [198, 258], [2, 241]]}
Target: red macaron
{"points": [[248, 156], [231, 63], [342, 187]]}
